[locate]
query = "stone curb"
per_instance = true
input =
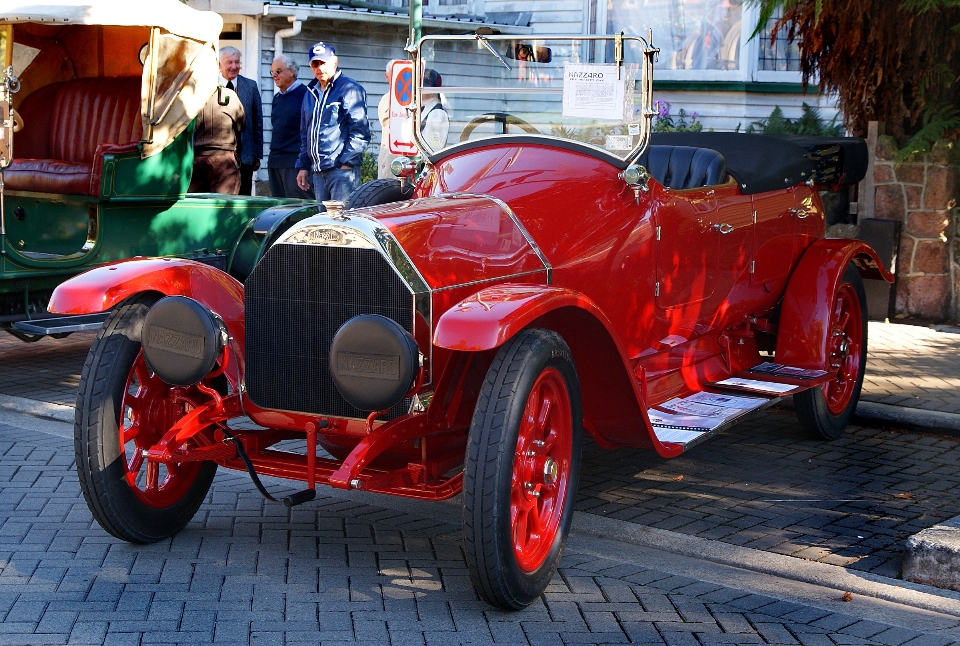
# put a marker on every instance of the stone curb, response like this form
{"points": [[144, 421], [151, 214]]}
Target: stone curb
{"points": [[913, 594], [34, 408], [932, 556], [915, 419]]}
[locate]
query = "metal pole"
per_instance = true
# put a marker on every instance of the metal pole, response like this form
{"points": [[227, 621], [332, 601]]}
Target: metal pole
{"points": [[416, 20]]}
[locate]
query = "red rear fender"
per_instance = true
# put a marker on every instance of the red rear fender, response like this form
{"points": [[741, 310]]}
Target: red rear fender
{"points": [[104, 287], [808, 300]]}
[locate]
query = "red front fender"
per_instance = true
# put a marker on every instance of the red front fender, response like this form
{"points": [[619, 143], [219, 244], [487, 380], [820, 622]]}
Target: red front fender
{"points": [[491, 316], [808, 300], [104, 287]]}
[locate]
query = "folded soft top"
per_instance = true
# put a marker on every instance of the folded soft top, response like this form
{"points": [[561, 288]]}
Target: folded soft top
{"points": [[762, 163]]}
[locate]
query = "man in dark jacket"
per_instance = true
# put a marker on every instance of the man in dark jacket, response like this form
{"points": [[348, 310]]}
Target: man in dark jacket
{"points": [[251, 139], [334, 130], [285, 135], [219, 124]]}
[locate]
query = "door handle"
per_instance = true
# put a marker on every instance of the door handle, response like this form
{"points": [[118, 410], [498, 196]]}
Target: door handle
{"points": [[723, 228], [800, 213]]}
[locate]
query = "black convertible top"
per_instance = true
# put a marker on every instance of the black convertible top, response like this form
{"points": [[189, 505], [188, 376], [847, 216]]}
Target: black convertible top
{"points": [[762, 163]]}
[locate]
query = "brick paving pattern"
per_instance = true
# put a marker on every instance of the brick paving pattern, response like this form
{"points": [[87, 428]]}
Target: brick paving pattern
{"points": [[337, 571], [763, 485], [913, 366]]}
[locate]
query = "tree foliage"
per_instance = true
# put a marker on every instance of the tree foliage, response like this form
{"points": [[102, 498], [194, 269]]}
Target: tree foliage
{"points": [[893, 61]]}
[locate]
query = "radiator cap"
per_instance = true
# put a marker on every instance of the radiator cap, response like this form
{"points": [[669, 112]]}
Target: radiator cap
{"points": [[373, 362], [182, 340]]}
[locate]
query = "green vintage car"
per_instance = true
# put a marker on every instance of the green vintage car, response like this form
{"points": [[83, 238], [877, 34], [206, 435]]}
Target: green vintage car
{"points": [[97, 105]]}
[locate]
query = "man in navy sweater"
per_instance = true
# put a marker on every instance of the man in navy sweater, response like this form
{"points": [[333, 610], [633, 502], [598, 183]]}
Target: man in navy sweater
{"points": [[285, 119], [334, 130]]}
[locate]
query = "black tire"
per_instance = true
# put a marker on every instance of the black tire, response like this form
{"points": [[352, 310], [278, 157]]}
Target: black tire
{"points": [[102, 463], [495, 443], [825, 412], [379, 191]]}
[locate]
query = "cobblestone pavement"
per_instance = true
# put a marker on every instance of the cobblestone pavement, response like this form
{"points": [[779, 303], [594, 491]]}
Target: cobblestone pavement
{"points": [[342, 570], [851, 502], [913, 366]]}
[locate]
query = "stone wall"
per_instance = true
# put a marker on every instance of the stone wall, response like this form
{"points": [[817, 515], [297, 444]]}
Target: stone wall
{"points": [[923, 196]]}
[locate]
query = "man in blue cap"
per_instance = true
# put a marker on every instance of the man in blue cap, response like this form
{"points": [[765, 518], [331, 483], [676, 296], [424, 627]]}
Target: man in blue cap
{"points": [[334, 130]]}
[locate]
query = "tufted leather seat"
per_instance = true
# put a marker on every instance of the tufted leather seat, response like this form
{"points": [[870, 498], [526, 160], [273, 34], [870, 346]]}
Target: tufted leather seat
{"points": [[68, 128], [683, 167]]}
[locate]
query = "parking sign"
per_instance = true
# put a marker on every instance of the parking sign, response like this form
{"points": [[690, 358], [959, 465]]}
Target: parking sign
{"points": [[401, 121]]}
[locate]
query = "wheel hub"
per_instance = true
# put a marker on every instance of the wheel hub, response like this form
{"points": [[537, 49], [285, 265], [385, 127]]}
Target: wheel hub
{"points": [[551, 471]]}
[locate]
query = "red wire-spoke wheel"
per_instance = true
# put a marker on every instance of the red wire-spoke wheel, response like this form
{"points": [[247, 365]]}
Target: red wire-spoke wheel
{"points": [[122, 410], [522, 466], [150, 407], [541, 470], [826, 411]]}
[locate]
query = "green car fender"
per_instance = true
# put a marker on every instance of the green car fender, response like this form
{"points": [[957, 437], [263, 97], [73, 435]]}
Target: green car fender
{"points": [[261, 232]]}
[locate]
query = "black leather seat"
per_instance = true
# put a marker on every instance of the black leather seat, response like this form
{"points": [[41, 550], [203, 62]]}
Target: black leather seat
{"points": [[683, 167]]}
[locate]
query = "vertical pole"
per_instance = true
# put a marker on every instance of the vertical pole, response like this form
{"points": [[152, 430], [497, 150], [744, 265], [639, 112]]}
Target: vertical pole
{"points": [[416, 20]]}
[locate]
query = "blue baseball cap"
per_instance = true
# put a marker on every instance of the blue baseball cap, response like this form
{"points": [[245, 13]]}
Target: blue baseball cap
{"points": [[322, 52]]}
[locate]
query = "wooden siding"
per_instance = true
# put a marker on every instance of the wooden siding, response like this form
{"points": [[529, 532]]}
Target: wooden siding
{"points": [[549, 16], [363, 50]]}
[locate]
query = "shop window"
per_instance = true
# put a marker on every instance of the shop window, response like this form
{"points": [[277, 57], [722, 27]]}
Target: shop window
{"points": [[691, 34], [783, 55]]}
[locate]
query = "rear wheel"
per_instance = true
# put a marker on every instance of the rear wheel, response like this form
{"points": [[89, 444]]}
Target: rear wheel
{"points": [[523, 463], [379, 191], [826, 411], [123, 409]]}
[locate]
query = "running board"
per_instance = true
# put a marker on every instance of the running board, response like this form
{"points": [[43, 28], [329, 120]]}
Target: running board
{"points": [[690, 436], [62, 324], [690, 420]]}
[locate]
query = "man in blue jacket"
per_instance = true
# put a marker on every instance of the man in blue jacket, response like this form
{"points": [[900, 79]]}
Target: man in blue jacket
{"points": [[333, 129]]}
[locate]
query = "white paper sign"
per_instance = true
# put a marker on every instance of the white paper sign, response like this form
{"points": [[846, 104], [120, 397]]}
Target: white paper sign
{"points": [[592, 91]]}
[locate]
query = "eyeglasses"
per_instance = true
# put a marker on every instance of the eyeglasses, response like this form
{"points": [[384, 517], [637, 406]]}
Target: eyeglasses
{"points": [[278, 72]]}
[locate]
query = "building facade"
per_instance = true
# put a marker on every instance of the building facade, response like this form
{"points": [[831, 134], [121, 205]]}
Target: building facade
{"points": [[708, 64]]}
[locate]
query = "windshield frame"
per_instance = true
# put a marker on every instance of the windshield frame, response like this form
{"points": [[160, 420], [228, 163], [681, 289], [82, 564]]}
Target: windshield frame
{"points": [[645, 84]]}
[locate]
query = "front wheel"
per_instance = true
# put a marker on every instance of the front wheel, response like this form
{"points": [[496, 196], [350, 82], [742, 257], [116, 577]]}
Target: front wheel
{"points": [[826, 411], [123, 409], [523, 463]]}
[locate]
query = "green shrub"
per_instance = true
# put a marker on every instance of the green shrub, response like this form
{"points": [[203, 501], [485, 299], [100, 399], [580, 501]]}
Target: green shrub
{"points": [[809, 123], [368, 168]]}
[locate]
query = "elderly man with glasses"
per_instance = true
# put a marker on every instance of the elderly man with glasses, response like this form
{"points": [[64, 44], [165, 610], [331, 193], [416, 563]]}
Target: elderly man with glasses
{"points": [[285, 122], [334, 130]]}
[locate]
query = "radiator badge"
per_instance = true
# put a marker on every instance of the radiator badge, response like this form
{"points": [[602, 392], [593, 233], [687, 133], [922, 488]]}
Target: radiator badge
{"points": [[372, 366], [188, 345], [326, 236]]}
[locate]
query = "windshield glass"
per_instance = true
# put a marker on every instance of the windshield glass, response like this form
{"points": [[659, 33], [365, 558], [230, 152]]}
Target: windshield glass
{"points": [[574, 89]]}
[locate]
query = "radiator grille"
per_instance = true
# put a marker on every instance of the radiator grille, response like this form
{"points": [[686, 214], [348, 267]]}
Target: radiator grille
{"points": [[296, 299]]}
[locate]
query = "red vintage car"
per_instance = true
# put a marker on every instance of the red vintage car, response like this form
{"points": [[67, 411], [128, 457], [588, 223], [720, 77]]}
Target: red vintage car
{"points": [[542, 271]]}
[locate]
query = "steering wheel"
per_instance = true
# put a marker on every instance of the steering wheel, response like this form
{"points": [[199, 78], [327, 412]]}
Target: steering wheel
{"points": [[500, 117]]}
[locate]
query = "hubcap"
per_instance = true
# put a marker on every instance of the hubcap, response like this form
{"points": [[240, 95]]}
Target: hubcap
{"points": [[541, 470]]}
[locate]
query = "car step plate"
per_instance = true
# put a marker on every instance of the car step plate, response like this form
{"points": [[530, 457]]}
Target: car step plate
{"points": [[62, 324]]}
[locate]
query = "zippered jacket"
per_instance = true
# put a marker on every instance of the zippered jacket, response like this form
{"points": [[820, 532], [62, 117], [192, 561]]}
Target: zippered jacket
{"points": [[333, 125]]}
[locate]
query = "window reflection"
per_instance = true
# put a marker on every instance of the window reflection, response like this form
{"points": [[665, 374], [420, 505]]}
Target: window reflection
{"points": [[691, 34]]}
